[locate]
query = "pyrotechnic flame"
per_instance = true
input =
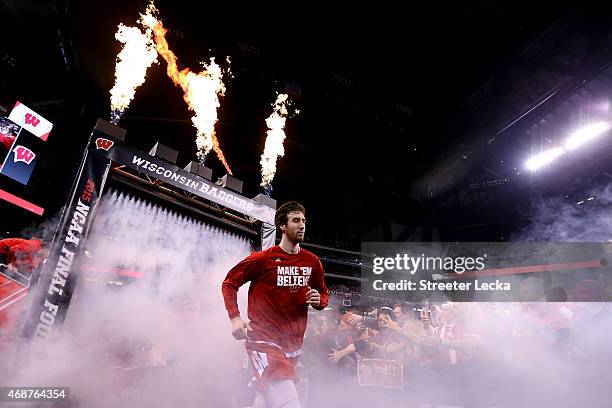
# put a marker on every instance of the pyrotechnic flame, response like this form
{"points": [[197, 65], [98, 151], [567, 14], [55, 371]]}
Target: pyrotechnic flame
{"points": [[274, 141], [136, 56], [201, 91]]}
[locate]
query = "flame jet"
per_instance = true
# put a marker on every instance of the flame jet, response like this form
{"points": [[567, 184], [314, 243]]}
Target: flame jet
{"points": [[136, 56], [274, 148], [201, 91]]}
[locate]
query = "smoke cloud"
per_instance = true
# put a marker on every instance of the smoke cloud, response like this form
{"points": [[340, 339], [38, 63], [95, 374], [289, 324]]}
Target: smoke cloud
{"points": [[163, 339], [159, 340], [558, 220]]}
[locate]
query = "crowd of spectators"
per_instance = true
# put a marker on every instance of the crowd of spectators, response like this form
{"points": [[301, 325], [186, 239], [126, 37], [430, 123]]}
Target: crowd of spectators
{"points": [[457, 354]]}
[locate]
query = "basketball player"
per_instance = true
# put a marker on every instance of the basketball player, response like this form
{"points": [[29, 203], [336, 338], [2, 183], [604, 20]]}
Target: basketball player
{"points": [[285, 280]]}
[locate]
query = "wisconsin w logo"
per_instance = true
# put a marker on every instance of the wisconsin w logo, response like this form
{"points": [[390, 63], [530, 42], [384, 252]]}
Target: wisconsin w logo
{"points": [[31, 120], [105, 144], [23, 154]]}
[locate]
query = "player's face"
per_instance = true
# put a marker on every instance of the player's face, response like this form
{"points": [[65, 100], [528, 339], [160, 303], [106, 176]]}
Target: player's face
{"points": [[295, 227]]}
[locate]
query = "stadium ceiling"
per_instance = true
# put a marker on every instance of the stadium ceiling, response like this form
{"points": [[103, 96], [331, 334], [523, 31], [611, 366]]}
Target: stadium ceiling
{"points": [[415, 113]]}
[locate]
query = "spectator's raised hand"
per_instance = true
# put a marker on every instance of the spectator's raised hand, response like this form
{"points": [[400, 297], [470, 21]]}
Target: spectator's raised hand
{"points": [[335, 356], [387, 323], [353, 319]]}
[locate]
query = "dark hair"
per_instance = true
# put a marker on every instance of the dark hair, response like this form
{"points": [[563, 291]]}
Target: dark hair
{"points": [[388, 311], [405, 307], [280, 218]]}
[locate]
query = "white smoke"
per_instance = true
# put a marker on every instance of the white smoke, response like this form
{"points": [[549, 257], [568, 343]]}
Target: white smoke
{"points": [[137, 345], [559, 220], [531, 355], [160, 340]]}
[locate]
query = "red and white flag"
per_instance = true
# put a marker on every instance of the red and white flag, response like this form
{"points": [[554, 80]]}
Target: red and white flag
{"points": [[31, 121]]}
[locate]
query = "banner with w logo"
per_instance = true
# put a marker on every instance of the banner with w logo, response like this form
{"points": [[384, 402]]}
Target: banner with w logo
{"points": [[21, 159], [31, 121]]}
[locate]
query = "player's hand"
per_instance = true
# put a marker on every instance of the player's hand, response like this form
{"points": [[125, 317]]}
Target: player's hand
{"points": [[313, 297], [240, 328]]}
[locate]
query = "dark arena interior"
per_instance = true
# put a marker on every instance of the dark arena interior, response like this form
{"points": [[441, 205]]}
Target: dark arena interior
{"points": [[454, 160]]}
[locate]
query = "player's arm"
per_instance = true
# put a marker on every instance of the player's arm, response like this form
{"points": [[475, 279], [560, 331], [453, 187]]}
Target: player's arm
{"points": [[317, 295], [240, 274]]}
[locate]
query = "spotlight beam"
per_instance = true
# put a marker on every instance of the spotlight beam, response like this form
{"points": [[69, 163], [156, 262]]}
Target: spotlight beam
{"points": [[575, 140]]}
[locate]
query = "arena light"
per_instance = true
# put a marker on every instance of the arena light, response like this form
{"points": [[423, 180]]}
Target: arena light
{"points": [[544, 158], [586, 134], [575, 140]]}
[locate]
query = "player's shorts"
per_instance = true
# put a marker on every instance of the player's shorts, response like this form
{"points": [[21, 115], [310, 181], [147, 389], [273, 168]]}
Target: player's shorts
{"points": [[269, 364]]}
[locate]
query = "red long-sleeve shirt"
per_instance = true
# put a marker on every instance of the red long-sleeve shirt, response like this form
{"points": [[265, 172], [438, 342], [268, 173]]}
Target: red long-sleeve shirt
{"points": [[277, 307]]}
